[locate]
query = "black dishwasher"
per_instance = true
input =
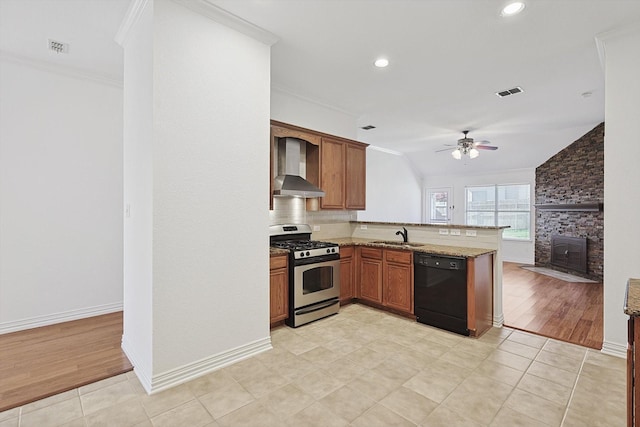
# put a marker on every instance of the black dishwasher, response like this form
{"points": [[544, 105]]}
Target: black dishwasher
{"points": [[441, 291]]}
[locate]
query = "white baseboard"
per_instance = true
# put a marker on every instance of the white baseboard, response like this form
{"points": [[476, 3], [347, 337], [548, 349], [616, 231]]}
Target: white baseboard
{"points": [[498, 321], [516, 260], [52, 319], [614, 349], [138, 367], [204, 366]]}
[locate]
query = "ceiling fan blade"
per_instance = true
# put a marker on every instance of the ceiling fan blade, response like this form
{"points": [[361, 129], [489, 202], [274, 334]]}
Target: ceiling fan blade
{"points": [[486, 147], [443, 149]]}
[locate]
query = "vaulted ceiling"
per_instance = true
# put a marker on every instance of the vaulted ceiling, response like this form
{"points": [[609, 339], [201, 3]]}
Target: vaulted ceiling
{"points": [[447, 60]]}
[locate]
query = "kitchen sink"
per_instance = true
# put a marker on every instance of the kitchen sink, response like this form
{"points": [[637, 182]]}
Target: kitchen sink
{"points": [[395, 243]]}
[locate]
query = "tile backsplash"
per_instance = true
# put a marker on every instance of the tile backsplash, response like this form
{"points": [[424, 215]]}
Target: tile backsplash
{"points": [[292, 210]]}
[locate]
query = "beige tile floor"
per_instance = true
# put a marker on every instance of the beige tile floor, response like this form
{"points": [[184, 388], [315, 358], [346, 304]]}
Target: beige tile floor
{"points": [[365, 367]]}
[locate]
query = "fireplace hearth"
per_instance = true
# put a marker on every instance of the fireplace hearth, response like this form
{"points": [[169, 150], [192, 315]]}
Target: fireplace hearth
{"points": [[569, 253]]}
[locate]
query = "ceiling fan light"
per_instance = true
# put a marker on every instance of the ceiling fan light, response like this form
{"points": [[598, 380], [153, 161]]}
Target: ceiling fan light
{"points": [[512, 8], [381, 62], [473, 153], [456, 154]]}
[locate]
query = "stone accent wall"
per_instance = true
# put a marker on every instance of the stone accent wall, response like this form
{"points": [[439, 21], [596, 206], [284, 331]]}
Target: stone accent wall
{"points": [[574, 175]]}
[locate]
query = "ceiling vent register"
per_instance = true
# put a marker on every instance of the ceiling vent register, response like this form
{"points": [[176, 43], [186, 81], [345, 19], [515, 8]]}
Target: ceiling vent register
{"points": [[508, 92], [58, 47]]}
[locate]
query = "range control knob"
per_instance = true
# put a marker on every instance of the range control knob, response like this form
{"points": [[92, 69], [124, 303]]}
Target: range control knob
{"points": [[307, 253], [333, 250], [301, 254]]}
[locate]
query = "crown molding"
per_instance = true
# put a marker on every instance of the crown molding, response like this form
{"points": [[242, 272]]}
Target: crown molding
{"points": [[221, 16], [131, 18], [385, 150], [65, 70], [602, 38]]}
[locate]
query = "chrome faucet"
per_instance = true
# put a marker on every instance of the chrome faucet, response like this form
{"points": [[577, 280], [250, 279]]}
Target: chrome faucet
{"points": [[405, 234]]}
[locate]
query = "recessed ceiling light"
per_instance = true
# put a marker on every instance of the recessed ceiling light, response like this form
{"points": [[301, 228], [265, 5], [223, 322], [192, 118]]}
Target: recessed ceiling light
{"points": [[512, 8], [381, 62]]}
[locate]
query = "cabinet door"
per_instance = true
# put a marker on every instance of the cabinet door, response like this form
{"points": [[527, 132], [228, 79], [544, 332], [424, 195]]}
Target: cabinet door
{"points": [[347, 291], [332, 167], [279, 302], [371, 280], [356, 177], [398, 287]]}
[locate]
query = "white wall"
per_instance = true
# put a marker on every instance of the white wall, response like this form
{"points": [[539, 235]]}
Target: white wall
{"points": [[293, 109], [137, 340], [513, 251], [210, 173], [393, 189], [60, 195], [621, 175]]}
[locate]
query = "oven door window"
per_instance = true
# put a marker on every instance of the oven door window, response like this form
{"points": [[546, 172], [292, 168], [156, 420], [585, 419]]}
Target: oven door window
{"points": [[317, 279]]}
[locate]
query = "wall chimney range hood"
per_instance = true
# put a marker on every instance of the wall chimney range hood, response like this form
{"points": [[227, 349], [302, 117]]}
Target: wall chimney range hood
{"points": [[290, 181]]}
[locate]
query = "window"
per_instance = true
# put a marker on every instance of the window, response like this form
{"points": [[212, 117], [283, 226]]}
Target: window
{"points": [[438, 205], [497, 205]]}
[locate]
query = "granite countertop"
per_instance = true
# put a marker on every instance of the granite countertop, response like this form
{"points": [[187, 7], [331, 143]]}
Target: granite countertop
{"points": [[416, 247], [409, 224], [276, 252], [632, 298]]}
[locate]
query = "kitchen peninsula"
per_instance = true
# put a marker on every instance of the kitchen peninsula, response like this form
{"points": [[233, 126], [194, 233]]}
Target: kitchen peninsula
{"points": [[374, 249]]}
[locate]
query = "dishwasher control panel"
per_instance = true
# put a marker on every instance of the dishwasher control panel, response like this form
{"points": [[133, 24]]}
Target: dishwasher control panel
{"points": [[442, 262]]}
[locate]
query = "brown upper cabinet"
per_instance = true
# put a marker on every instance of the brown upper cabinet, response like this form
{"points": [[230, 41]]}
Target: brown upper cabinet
{"points": [[343, 174], [336, 165], [356, 177], [332, 173]]}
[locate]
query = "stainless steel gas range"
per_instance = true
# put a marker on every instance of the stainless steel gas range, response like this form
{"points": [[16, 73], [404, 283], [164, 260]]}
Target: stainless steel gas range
{"points": [[314, 273]]}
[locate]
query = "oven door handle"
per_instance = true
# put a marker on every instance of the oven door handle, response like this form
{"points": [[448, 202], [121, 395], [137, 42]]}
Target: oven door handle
{"points": [[317, 307]]}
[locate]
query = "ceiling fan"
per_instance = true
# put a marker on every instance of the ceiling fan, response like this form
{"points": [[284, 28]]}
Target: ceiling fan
{"points": [[466, 146]]}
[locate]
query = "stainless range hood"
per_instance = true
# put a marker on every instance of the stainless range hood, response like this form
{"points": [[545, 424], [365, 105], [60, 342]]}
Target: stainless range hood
{"points": [[289, 181]]}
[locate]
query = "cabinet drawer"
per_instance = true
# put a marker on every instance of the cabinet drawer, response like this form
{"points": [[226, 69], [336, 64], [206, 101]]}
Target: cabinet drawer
{"points": [[346, 252], [277, 262], [400, 257], [371, 253]]}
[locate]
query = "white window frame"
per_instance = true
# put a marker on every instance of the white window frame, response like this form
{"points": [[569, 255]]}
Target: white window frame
{"points": [[496, 211], [428, 206]]}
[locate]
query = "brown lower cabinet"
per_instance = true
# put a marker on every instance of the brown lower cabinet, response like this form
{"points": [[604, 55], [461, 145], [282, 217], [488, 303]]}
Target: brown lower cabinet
{"points": [[397, 282], [479, 294], [347, 275], [633, 370], [370, 275], [386, 278], [278, 289]]}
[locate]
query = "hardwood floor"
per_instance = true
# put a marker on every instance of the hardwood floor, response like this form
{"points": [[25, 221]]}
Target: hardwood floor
{"points": [[40, 362], [571, 312]]}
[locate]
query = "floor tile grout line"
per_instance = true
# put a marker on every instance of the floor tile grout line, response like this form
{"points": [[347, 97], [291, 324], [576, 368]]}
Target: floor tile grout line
{"points": [[575, 385], [515, 387], [387, 325]]}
